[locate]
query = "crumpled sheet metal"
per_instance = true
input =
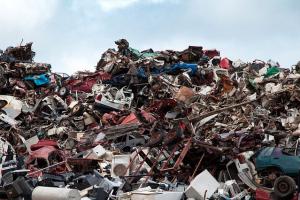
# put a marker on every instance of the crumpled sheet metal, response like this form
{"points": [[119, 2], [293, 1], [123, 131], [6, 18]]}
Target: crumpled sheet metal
{"points": [[12, 106]]}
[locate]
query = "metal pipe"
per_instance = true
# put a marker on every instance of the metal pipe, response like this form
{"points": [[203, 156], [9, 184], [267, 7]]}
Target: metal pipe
{"points": [[51, 193]]}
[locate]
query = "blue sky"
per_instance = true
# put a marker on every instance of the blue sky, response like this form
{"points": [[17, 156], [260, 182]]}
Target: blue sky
{"points": [[72, 34]]}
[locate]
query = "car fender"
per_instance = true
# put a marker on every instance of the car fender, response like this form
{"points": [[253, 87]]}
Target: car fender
{"points": [[270, 167]]}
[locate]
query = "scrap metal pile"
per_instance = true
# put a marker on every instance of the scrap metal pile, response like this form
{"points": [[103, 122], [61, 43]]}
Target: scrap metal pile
{"points": [[150, 124]]}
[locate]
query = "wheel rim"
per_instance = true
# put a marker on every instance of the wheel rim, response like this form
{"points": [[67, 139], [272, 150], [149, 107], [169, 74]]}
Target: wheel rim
{"points": [[283, 187], [62, 91], [65, 123], [76, 108]]}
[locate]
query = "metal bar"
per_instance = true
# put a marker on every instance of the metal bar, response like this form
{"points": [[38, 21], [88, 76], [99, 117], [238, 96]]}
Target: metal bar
{"points": [[148, 161], [198, 165], [40, 170], [133, 159], [141, 164], [181, 156], [170, 157], [155, 162]]}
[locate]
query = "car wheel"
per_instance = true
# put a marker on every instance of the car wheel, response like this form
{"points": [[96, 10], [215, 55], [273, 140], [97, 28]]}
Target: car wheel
{"points": [[284, 186], [63, 91], [65, 122], [78, 109]]}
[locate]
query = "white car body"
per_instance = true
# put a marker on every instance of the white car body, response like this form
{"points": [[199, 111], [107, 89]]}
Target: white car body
{"points": [[245, 171], [11, 109], [114, 98]]}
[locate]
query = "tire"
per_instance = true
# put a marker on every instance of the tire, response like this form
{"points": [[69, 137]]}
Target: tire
{"points": [[63, 92], [65, 122], [78, 109], [284, 186]]}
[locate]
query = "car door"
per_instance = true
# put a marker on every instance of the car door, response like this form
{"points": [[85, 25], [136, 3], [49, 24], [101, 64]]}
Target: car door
{"points": [[288, 161]]}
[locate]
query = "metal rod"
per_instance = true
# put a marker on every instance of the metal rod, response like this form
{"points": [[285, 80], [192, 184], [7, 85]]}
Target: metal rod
{"points": [[40, 170], [196, 169]]}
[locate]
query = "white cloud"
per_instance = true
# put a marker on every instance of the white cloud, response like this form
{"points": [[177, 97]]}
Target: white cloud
{"points": [[73, 61], [21, 15], [109, 5]]}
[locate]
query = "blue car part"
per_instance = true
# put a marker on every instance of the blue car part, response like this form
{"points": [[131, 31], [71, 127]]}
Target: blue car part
{"points": [[38, 80], [183, 66]]}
